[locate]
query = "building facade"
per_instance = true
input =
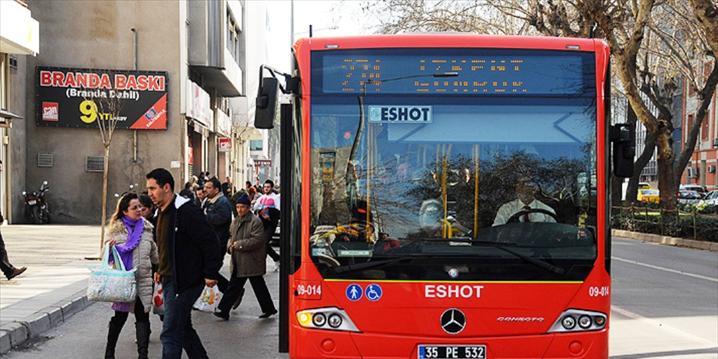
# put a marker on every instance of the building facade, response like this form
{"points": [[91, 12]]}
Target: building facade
{"points": [[19, 39], [198, 45], [703, 166]]}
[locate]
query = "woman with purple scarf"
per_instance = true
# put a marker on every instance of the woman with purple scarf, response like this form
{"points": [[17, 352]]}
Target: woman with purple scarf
{"points": [[131, 234]]}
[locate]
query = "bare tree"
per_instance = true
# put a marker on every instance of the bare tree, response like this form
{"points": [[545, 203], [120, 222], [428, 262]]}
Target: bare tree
{"points": [[655, 45], [106, 112]]}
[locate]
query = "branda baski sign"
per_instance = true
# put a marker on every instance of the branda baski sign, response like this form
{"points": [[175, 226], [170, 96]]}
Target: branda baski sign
{"points": [[68, 97]]}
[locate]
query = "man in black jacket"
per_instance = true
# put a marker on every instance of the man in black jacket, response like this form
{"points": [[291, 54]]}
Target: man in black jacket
{"points": [[189, 260], [219, 215]]}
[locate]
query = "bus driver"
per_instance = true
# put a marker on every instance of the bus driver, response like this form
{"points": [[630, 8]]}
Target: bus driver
{"points": [[525, 202]]}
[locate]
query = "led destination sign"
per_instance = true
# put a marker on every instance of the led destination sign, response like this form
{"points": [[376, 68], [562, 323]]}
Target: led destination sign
{"points": [[454, 72]]}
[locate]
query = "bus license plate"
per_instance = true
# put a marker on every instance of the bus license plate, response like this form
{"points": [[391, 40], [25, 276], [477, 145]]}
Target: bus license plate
{"points": [[452, 351]]}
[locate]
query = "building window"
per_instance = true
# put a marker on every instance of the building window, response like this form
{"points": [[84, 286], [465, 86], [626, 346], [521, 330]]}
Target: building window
{"points": [[689, 125], [3, 79], [704, 129], [256, 145], [233, 33]]}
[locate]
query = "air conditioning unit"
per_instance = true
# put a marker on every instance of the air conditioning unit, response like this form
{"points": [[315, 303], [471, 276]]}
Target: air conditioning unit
{"points": [[692, 172]]}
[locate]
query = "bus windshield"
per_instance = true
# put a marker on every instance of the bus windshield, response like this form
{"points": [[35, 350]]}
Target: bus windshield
{"points": [[412, 182]]}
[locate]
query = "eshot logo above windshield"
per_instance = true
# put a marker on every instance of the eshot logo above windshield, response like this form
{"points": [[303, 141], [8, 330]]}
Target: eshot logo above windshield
{"points": [[400, 114]]}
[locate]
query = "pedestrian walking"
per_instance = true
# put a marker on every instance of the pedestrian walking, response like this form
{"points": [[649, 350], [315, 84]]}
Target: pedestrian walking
{"points": [[131, 234], [199, 196], [270, 219], [148, 208], [7, 268], [248, 262], [219, 215], [269, 193], [188, 191], [188, 260], [227, 188]]}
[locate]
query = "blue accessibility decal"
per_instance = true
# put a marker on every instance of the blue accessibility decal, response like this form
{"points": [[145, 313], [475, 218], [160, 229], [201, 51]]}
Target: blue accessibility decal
{"points": [[354, 292], [373, 292]]}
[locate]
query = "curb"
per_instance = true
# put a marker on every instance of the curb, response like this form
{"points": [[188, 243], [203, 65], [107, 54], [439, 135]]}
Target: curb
{"points": [[17, 333], [665, 240]]}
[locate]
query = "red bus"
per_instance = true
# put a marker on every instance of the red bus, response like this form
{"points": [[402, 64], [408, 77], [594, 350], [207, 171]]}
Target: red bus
{"points": [[446, 196]]}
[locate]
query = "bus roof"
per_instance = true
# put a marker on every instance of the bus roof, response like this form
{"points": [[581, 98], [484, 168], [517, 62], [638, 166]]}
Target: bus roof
{"points": [[453, 40]]}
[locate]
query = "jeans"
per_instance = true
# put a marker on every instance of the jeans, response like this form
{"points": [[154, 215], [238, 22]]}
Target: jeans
{"points": [[177, 330]]}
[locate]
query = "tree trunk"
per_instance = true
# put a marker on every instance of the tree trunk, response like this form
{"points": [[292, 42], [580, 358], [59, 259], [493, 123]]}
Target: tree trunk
{"points": [[616, 190], [666, 178], [638, 166], [105, 175]]}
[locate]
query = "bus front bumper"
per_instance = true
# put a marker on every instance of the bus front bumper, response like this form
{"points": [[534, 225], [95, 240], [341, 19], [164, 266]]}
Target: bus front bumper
{"points": [[329, 344]]}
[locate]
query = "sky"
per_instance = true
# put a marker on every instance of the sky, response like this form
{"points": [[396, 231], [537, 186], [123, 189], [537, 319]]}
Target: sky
{"points": [[328, 18]]}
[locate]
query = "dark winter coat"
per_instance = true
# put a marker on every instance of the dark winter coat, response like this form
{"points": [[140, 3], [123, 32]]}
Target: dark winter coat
{"points": [[219, 216], [194, 248]]}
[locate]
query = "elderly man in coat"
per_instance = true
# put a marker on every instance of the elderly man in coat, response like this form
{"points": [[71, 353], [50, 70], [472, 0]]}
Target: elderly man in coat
{"points": [[247, 247]]}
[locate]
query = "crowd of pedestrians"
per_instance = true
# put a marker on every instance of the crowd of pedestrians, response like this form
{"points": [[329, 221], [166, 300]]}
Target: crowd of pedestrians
{"points": [[179, 241]]}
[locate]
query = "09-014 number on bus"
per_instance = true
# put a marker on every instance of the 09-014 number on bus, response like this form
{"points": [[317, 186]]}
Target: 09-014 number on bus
{"points": [[598, 291], [309, 291]]}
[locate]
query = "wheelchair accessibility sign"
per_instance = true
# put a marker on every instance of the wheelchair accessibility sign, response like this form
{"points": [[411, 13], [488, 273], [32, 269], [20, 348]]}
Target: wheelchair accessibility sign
{"points": [[354, 292], [373, 292]]}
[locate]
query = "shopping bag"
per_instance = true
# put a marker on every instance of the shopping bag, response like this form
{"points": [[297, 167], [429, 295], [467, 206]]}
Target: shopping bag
{"points": [[208, 300], [111, 284], [158, 300]]}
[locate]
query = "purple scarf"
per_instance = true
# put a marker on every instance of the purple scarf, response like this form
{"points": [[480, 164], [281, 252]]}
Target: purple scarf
{"points": [[134, 236]]}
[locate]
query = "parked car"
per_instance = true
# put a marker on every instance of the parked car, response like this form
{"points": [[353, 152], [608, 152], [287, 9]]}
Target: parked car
{"points": [[694, 187], [711, 198], [644, 185], [649, 195], [689, 197]]}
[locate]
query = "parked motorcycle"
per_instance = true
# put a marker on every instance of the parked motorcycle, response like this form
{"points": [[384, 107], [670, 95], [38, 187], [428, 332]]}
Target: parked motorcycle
{"points": [[36, 208]]}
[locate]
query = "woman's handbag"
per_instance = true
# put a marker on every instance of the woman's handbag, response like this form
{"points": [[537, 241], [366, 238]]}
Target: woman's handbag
{"points": [[108, 284]]}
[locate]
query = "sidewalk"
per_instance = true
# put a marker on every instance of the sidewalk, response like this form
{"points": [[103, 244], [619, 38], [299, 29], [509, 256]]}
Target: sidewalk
{"points": [[666, 240], [52, 289]]}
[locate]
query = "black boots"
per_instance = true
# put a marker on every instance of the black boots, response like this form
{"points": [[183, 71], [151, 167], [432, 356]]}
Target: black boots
{"points": [[142, 330], [143, 338], [113, 333]]}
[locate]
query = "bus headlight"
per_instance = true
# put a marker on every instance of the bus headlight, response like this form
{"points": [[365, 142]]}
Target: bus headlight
{"points": [[335, 321], [586, 320], [330, 318], [568, 322], [319, 319]]}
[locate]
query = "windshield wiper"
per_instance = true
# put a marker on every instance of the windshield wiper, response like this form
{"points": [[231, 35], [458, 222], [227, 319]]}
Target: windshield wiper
{"points": [[528, 259], [370, 264], [504, 247]]}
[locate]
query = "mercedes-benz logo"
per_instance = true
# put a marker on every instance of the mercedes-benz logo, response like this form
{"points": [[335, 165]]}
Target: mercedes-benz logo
{"points": [[453, 321]]}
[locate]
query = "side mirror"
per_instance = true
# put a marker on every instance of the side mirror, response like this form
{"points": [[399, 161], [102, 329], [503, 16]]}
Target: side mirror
{"points": [[624, 149], [267, 103]]}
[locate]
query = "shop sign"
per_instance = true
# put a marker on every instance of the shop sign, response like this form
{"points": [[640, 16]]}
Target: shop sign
{"points": [[69, 97], [224, 144], [224, 123], [197, 105], [263, 163]]}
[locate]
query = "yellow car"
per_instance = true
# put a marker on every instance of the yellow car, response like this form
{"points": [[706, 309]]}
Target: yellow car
{"points": [[649, 195]]}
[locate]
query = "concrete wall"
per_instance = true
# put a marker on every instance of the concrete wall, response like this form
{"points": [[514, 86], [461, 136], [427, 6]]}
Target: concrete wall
{"points": [[17, 100], [97, 35]]}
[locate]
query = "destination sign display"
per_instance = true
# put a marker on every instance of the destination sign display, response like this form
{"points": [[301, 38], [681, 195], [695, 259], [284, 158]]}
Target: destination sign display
{"points": [[454, 72]]}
